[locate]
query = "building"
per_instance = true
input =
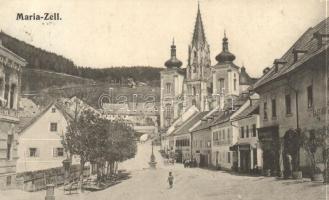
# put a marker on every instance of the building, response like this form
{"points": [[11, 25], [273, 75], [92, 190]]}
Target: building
{"points": [[247, 149], [201, 139], [183, 137], [40, 140], [10, 86], [200, 85], [168, 139], [293, 96]]}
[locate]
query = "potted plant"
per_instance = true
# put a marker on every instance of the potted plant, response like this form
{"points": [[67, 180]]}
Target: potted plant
{"points": [[317, 174]]}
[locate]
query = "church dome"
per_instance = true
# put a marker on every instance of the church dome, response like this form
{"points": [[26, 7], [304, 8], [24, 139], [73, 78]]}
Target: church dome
{"points": [[225, 55], [173, 61]]}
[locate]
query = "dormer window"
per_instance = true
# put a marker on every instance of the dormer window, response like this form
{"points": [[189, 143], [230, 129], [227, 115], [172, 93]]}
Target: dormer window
{"points": [[278, 63], [298, 53], [321, 37]]}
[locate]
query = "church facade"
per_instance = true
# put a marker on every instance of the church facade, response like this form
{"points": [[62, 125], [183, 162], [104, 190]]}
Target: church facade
{"points": [[199, 84]]}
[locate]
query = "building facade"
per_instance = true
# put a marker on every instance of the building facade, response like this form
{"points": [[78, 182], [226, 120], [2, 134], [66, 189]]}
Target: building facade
{"points": [[293, 98], [10, 85], [247, 149], [40, 141]]}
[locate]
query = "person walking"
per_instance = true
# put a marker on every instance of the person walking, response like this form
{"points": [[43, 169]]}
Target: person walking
{"points": [[170, 180]]}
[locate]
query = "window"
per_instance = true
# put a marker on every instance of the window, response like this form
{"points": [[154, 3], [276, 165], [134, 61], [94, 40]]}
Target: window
{"points": [[242, 132], [33, 152], [53, 127], [221, 85], [8, 181], [234, 82], [310, 96], [6, 92], [265, 110], [288, 104], [229, 157], [53, 110], [273, 108], [12, 96], [224, 134], [168, 87], [9, 145], [58, 152], [254, 133], [247, 131]]}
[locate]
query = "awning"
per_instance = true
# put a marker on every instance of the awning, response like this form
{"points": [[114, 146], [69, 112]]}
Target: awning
{"points": [[242, 146]]}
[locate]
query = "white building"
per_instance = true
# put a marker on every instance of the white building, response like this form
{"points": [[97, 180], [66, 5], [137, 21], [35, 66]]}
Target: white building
{"points": [[40, 141]]}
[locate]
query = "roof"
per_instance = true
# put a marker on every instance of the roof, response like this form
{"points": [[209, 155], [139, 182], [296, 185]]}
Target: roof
{"points": [[26, 122], [244, 78], [184, 128], [252, 109], [306, 42]]}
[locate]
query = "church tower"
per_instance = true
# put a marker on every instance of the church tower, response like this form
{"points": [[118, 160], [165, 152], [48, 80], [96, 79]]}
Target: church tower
{"points": [[225, 75], [172, 79], [198, 73]]}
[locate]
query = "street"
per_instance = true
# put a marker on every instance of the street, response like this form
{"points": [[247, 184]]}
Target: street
{"points": [[189, 183]]}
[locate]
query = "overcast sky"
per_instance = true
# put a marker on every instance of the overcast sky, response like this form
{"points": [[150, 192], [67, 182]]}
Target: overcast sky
{"points": [[104, 33]]}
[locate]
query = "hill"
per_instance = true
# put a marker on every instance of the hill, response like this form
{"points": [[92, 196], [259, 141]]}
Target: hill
{"points": [[40, 59]]}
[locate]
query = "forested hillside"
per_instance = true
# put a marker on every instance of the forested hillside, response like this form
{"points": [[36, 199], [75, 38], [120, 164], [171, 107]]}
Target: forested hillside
{"points": [[43, 60]]}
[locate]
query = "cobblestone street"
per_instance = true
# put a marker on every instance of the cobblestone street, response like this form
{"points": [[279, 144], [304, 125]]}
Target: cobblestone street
{"points": [[190, 183]]}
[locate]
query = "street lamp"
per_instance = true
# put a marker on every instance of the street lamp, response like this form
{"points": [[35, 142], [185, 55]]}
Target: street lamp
{"points": [[152, 162]]}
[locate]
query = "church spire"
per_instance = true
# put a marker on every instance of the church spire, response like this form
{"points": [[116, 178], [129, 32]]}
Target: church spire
{"points": [[199, 37]]}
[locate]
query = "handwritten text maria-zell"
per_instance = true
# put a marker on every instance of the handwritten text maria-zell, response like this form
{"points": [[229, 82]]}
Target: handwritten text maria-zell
{"points": [[38, 17]]}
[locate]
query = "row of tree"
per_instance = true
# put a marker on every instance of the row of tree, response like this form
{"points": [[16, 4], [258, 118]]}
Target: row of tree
{"points": [[99, 141]]}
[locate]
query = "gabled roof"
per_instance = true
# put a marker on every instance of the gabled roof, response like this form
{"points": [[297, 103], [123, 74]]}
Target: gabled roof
{"points": [[184, 128], [251, 109], [306, 42], [26, 122]]}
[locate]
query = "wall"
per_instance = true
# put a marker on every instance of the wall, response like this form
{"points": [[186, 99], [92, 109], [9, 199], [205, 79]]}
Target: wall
{"points": [[38, 135]]}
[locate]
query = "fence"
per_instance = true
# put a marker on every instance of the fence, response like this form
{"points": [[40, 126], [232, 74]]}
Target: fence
{"points": [[37, 180]]}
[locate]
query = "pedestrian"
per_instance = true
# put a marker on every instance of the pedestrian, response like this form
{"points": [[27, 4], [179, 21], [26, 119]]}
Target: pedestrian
{"points": [[170, 180]]}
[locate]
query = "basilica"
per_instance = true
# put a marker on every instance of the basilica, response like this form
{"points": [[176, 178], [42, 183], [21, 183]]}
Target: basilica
{"points": [[200, 84]]}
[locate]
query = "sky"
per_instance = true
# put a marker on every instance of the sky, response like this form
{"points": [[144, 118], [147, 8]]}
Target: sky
{"points": [[105, 33]]}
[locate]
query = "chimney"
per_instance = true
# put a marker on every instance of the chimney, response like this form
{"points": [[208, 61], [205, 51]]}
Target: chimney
{"points": [[321, 38], [278, 63], [297, 53], [267, 69]]}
